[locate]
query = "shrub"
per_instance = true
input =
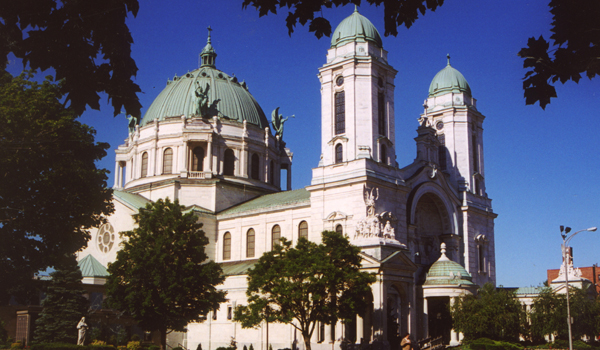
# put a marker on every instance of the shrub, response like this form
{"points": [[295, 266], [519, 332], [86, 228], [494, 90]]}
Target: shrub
{"points": [[488, 344], [224, 348], [97, 342], [199, 347], [153, 347], [251, 347], [245, 347], [100, 346], [135, 337], [58, 346], [134, 345], [16, 345]]}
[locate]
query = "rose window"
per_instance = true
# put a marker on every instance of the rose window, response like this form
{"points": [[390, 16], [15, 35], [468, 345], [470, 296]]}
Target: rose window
{"points": [[106, 238]]}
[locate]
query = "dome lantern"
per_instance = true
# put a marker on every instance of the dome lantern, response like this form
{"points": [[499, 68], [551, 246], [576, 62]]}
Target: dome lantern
{"points": [[208, 55]]}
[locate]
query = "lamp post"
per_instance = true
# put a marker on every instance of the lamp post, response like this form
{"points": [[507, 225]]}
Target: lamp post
{"points": [[565, 246]]}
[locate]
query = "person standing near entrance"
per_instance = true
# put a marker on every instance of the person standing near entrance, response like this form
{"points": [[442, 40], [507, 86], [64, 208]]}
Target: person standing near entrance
{"points": [[405, 344]]}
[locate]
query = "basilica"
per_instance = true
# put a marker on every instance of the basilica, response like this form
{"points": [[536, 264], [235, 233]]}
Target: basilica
{"points": [[426, 229]]}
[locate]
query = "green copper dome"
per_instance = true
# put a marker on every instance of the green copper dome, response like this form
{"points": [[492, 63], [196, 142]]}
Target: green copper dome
{"points": [[355, 27], [449, 80], [447, 272], [224, 95]]}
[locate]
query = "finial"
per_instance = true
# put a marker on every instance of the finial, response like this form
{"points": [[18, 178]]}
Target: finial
{"points": [[355, 8], [209, 30], [443, 251], [448, 56]]}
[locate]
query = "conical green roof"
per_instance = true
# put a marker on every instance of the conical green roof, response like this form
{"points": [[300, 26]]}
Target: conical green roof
{"points": [[355, 27], [449, 80]]}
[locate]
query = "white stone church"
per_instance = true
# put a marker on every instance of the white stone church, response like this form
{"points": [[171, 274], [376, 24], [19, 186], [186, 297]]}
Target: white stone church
{"points": [[426, 229]]}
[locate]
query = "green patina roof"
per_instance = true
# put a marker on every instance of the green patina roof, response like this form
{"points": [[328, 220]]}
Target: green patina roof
{"points": [[355, 27], [90, 267], [237, 268], [134, 201], [529, 290], [449, 80], [447, 272], [270, 201], [179, 96]]}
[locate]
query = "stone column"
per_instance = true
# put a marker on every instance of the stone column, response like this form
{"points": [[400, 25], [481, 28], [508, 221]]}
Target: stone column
{"points": [[210, 156], [425, 318], [360, 328], [118, 172], [183, 160]]}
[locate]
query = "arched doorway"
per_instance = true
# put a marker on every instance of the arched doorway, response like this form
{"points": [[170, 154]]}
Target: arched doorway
{"points": [[432, 222]]}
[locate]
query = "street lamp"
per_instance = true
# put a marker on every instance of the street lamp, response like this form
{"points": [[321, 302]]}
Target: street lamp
{"points": [[565, 246]]}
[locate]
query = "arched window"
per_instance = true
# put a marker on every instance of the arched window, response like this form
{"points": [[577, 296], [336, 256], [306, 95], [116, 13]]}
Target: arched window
{"points": [[167, 161], [227, 246], [339, 153], [228, 162], [340, 113], [272, 172], [383, 154], [339, 229], [255, 167], [144, 164], [381, 112], [250, 239], [303, 230], [198, 159], [275, 236]]}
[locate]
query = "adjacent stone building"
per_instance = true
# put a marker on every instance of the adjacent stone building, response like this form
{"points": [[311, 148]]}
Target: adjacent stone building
{"points": [[207, 142]]}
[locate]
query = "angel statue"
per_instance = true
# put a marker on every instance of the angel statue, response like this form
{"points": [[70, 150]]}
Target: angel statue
{"points": [[202, 96], [277, 121], [132, 122], [370, 197]]}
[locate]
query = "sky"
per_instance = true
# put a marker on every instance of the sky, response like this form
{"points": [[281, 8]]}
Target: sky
{"points": [[541, 166]]}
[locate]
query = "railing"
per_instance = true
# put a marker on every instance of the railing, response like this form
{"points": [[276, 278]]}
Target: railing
{"points": [[431, 343], [199, 175]]}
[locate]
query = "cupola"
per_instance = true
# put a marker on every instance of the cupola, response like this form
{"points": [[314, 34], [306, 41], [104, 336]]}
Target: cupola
{"points": [[449, 80], [208, 54], [357, 28], [447, 272]]}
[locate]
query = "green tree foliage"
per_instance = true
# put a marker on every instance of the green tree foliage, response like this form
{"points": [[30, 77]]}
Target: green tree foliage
{"points": [[64, 305], [396, 12], [87, 43], [549, 314], [51, 192], [161, 276], [573, 50], [308, 283], [494, 313]]}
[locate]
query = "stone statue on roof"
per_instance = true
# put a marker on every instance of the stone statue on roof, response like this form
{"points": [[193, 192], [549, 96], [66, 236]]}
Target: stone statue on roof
{"points": [[277, 120]]}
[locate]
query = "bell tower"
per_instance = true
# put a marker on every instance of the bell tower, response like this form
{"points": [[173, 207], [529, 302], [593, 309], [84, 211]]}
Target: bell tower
{"points": [[357, 96], [452, 111]]}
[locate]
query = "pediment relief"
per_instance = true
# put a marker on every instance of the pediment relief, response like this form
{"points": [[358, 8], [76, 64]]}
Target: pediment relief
{"points": [[337, 215]]}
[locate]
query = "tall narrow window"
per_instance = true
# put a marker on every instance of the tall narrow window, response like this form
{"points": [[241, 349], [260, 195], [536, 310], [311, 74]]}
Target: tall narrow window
{"points": [[383, 154], [381, 112], [228, 162], [255, 167], [168, 161], [250, 239], [481, 253], [339, 153], [272, 173], [275, 236], [339, 229], [144, 164], [442, 152], [340, 113], [198, 159], [475, 152], [303, 230], [227, 246]]}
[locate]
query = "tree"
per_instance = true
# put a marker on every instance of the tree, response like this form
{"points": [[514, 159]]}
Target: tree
{"points": [[549, 314], [309, 283], [64, 305], [87, 43], [573, 50], [51, 192], [493, 313], [396, 12], [161, 276]]}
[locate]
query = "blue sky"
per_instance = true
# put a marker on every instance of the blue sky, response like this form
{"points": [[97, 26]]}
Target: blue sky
{"points": [[541, 167]]}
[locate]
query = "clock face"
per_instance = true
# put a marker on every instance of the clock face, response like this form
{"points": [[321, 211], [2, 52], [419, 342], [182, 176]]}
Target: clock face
{"points": [[439, 125], [339, 81], [105, 238]]}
